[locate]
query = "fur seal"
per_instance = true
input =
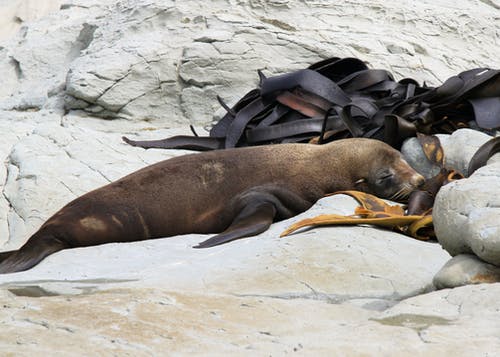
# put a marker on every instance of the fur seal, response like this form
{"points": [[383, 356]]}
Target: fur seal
{"points": [[238, 192]]}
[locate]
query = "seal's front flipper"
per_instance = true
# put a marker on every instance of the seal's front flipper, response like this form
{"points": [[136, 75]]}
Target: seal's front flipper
{"points": [[255, 218]]}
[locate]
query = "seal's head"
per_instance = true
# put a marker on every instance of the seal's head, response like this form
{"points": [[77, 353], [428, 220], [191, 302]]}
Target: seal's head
{"points": [[386, 174]]}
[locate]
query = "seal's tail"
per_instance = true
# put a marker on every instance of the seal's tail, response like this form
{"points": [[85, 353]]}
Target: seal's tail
{"points": [[30, 254]]}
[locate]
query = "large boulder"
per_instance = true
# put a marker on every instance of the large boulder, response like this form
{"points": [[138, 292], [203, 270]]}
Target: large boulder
{"points": [[466, 222]]}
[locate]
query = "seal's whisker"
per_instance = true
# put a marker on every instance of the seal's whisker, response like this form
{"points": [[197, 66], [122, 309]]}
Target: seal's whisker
{"points": [[395, 196], [402, 193]]}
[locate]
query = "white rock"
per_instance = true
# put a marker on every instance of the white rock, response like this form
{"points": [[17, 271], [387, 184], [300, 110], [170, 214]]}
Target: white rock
{"points": [[159, 64], [450, 316], [17, 12], [460, 146], [465, 269], [39, 56], [99, 49], [148, 321], [465, 215]]}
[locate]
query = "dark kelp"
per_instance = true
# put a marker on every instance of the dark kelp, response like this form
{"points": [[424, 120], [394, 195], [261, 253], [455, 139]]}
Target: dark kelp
{"points": [[341, 97]]}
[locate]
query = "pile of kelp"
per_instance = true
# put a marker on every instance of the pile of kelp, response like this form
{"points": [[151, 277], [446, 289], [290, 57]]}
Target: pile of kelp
{"points": [[341, 98]]}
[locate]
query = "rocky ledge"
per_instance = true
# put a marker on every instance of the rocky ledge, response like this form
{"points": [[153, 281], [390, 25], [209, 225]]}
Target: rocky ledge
{"points": [[77, 75]]}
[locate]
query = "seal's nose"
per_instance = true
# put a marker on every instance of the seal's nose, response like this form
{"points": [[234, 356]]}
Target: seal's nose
{"points": [[417, 180]]}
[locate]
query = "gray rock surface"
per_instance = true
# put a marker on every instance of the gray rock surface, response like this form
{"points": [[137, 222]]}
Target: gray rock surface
{"points": [[462, 322], [414, 155], [166, 61], [459, 147], [466, 215], [156, 66], [466, 212], [465, 269]]}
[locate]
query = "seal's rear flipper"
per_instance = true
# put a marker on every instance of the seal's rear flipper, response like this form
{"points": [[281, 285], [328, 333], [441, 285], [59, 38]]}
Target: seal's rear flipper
{"points": [[255, 218], [30, 254], [5, 255]]}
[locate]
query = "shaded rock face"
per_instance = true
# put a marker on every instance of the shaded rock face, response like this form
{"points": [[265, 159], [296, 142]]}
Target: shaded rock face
{"points": [[156, 66], [465, 212]]}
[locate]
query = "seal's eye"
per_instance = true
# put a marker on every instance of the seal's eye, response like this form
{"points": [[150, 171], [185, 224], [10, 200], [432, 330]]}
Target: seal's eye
{"points": [[384, 177]]}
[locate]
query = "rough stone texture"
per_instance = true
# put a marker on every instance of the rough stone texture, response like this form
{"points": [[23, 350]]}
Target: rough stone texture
{"points": [[166, 60], [36, 60], [461, 145], [159, 64], [466, 218], [47, 165], [16, 12], [466, 215], [461, 322], [465, 269]]}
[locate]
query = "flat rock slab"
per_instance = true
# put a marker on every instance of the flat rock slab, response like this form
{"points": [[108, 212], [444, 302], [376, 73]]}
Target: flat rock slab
{"points": [[144, 322], [255, 295], [331, 264]]}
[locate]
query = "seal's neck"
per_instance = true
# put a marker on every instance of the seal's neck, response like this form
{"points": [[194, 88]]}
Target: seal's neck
{"points": [[339, 166]]}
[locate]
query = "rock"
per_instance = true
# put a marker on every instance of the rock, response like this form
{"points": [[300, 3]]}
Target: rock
{"points": [[460, 146], [166, 61], [465, 269], [153, 66], [51, 165], [414, 155], [148, 321], [465, 215], [37, 59], [322, 263], [17, 12], [449, 316]]}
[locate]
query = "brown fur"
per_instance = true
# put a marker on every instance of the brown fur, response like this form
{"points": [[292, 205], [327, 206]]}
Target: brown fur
{"points": [[203, 193]]}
